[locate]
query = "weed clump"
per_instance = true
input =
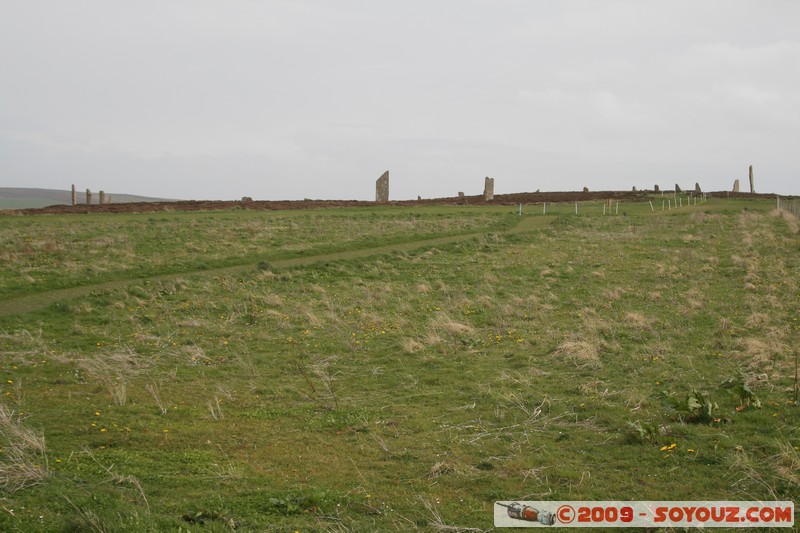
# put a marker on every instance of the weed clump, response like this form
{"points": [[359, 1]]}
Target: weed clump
{"points": [[696, 407]]}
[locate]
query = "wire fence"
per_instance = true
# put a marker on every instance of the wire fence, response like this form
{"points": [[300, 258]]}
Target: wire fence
{"points": [[791, 205], [614, 207]]}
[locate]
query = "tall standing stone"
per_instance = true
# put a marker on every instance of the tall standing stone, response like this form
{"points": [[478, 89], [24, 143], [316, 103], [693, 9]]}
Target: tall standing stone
{"points": [[382, 188], [677, 188], [697, 188], [736, 185], [656, 189], [88, 197], [102, 197], [74, 195], [488, 189], [752, 187]]}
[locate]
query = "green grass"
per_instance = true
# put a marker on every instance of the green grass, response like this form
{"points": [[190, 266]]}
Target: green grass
{"points": [[405, 390], [51, 252]]}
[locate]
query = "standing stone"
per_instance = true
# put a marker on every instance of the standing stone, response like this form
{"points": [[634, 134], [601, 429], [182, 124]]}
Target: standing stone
{"points": [[657, 189], [74, 195], [382, 188], [677, 188], [488, 189], [108, 199], [88, 197], [634, 188], [736, 185], [460, 195], [697, 188], [752, 188], [586, 189], [102, 197]]}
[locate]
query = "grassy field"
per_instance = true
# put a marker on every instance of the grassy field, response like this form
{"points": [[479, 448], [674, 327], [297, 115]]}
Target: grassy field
{"points": [[644, 355]]}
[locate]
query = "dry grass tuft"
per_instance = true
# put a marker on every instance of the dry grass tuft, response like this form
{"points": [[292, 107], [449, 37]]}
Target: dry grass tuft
{"points": [[196, 355], [490, 278], [756, 380], [442, 323], [440, 469], [637, 320], [272, 300], [114, 371], [786, 465], [437, 523], [792, 221], [411, 345], [581, 352], [23, 346], [319, 289], [432, 339], [758, 320], [759, 353], [23, 462], [613, 294], [313, 320], [485, 301], [507, 310], [444, 468], [594, 323], [691, 301]]}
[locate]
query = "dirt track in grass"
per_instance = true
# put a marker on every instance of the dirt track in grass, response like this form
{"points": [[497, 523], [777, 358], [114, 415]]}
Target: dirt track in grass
{"points": [[36, 301]]}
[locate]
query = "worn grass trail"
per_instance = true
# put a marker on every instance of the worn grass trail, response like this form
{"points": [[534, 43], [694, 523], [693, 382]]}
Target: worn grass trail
{"points": [[34, 302]]}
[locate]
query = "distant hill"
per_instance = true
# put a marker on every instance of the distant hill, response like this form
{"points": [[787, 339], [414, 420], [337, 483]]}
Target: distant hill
{"points": [[22, 198]]}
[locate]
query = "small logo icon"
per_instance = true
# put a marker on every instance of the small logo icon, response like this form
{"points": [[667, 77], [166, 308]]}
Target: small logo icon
{"points": [[565, 514], [518, 511]]}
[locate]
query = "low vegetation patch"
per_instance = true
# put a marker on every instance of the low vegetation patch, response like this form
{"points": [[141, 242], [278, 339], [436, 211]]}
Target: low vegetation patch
{"points": [[573, 357]]}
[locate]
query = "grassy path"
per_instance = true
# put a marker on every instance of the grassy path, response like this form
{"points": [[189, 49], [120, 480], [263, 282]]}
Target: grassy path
{"points": [[34, 302]]}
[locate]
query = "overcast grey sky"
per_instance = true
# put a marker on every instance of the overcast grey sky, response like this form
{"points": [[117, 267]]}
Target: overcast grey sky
{"points": [[288, 99]]}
